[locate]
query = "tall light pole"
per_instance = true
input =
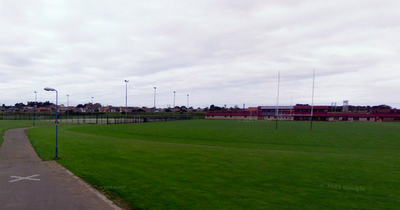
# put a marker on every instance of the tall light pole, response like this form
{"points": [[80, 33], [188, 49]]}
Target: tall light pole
{"points": [[187, 108], [312, 102], [174, 101], [126, 98], [34, 107], [277, 102], [92, 106], [67, 107], [155, 89], [56, 123]]}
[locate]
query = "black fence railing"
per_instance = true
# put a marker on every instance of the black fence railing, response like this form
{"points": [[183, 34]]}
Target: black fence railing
{"points": [[99, 118]]}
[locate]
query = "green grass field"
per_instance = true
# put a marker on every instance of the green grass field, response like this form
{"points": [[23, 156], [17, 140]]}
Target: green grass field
{"points": [[204, 164], [10, 124]]}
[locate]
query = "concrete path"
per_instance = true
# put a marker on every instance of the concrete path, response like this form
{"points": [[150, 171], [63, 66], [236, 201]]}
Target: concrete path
{"points": [[26, 182]]}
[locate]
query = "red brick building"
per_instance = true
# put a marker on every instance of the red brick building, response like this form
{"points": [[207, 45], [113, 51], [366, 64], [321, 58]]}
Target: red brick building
{"points": [[303, 113]]}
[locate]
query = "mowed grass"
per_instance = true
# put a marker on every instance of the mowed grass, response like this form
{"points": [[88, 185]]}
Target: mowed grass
{"points": [[205, 164], [10, 124]]}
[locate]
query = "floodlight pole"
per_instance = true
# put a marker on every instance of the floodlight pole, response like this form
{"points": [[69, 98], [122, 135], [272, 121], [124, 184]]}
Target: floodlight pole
{"points": [[174, 101], [155, 91], [67, 108], [312, 102], [277, 103], [126, 98], [173, 107], [56, 123], [92, 108], [187, 108]]}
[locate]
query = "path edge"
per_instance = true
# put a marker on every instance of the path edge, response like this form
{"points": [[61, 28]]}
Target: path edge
{"points": [[80, 181], [96, 192]]}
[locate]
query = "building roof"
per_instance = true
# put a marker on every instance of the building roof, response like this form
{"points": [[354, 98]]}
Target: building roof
{"points": [[274, 107], [309, 107]]}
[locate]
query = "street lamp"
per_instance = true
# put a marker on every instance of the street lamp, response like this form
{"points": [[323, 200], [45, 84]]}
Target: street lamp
{"points": [[126, 98], [56, 123], [34, 106], [187, 108], [155, 89]]}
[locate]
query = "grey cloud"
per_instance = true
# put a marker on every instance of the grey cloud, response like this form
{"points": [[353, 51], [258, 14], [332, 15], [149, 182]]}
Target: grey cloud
{"points": [[87, 48]]}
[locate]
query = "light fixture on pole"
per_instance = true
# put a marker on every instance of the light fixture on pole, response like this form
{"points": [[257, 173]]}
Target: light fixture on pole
{"points": [[187, 108], [174, 101], [34, 107], [67, 107], [312, 101], [92, 107], [277, 102], [56, 122], [155, 89], [126, 98]]}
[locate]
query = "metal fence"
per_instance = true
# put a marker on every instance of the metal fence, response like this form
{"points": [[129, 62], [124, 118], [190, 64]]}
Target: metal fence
{"points": [[100, 118]]}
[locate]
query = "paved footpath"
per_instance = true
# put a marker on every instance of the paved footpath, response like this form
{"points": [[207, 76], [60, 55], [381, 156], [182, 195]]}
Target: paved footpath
{"points": [[26, 182]]}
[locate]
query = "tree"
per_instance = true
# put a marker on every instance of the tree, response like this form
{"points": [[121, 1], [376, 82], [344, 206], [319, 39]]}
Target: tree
{"points": [[19, 105], [213, 108], [46, 104], [382, 106]]}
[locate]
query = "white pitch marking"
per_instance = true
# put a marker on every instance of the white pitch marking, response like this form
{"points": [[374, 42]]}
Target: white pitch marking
{"points": [[19, 178]]}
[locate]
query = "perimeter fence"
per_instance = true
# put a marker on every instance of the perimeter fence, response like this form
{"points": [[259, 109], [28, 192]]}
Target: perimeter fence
{"points": [[99, 118]]}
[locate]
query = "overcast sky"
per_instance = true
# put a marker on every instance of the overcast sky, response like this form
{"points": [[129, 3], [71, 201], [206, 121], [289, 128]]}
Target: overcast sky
{"points": [[219, 52]]}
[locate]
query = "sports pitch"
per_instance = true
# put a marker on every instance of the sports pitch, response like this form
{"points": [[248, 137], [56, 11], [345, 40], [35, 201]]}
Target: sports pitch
{"points": [[206, 164]]}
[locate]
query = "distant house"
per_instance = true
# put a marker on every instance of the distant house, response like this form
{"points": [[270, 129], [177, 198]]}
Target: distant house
{"points": [[80, 110], [104, 109], [44, 109]]}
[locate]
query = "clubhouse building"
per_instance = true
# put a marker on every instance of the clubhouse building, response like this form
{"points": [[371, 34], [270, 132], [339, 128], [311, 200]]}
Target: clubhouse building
{"points": [[303, 113]]}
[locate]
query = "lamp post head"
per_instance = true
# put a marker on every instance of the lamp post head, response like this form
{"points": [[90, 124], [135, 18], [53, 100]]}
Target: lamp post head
{"points": [[49, 89], [155, 88], [126, 80]]}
